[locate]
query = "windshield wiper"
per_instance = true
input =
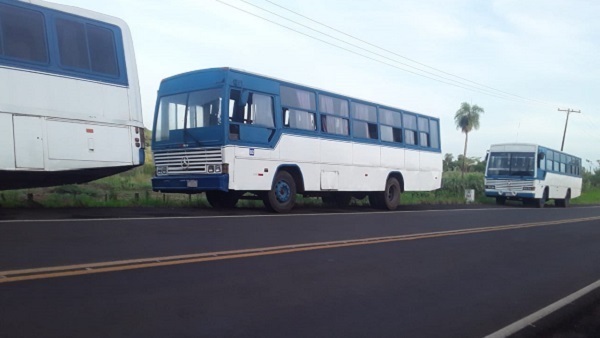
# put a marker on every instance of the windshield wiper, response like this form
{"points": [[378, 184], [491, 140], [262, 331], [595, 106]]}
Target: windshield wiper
{"points": [[188, 133]]}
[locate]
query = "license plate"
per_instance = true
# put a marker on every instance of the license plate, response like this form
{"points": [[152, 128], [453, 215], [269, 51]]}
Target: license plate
{"points": [[192, 183]]}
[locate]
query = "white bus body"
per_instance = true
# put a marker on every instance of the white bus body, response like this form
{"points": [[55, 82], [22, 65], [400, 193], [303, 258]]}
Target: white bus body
{"points": [[65, 118], [532, 174], [227, 132]]}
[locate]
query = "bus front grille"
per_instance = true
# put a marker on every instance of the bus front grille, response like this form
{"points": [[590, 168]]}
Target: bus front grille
{"points": [[509, 185], [186, 161]]}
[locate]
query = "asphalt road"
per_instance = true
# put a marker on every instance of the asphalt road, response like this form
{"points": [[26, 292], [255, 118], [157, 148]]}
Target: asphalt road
{"points": [[411, 273]]}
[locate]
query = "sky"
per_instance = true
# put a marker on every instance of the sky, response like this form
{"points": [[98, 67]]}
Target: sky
{"points": [[521, 61]]}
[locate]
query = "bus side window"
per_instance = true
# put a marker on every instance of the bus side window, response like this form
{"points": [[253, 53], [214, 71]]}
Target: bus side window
{"points": [[236, 107]]}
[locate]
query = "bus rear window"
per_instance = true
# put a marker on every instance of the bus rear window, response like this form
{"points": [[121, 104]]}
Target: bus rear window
{"points": [[22, 34], [87, 47]]}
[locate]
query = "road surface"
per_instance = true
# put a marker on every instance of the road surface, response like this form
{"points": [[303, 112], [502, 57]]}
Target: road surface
{"points": [[320, 273]]}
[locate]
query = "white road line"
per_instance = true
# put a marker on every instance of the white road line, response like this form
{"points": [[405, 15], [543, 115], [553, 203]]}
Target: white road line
{"points": [[266, 215], [534, 317]]}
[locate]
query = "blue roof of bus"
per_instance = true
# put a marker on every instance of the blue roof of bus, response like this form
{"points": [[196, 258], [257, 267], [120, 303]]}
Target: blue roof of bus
{"points": [[240, 71]]}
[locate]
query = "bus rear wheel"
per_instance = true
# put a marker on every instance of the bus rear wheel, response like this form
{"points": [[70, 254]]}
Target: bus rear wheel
{"points": [[389, 198], [564, 203], [282, 196]]}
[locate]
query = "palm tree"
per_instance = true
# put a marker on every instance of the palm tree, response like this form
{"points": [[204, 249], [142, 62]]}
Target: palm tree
{"points": [[467, 119]]}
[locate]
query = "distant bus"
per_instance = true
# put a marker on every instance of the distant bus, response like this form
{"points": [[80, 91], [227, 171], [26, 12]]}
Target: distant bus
{"points": [[70, 108], [532, 174], [233, 134]]}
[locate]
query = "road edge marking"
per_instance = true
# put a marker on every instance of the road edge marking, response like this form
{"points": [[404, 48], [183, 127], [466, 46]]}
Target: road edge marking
{"points": [[540, 314]]}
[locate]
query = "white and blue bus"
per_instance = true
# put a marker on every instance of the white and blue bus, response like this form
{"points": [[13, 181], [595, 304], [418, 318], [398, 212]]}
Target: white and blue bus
{"points": [[233, 134], [532, 174], [70, 108]]}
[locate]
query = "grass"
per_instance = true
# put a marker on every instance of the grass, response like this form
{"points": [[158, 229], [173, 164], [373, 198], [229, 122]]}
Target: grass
{"points": [[588, 196], [133, 188]]}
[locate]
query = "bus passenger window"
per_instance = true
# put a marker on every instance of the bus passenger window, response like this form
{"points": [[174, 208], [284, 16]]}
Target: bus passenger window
{"points": [[22, 34], [410, 137], [262, 109]]}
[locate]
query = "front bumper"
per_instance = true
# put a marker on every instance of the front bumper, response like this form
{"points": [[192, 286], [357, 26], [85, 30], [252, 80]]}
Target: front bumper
{"points": [[509, 194], [190, 184]]}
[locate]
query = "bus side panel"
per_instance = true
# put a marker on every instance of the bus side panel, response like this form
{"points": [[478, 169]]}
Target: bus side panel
{"points": [[26, 92], [427, 175], [87, 143], [431, 168], [29, 142], [306, 152], [7, 151], [558, 185], [364, 174]]}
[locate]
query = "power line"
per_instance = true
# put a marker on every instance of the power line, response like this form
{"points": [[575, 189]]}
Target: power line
{"points": [[460, 85], [399, 55]]}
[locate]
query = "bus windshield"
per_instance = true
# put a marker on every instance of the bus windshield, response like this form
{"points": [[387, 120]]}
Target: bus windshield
{"points": [[511, 164], [196, 109]]}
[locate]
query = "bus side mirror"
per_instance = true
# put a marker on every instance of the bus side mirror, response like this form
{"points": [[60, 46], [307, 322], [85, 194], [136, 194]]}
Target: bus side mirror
{"points": [[486, 157], [541, 156]]}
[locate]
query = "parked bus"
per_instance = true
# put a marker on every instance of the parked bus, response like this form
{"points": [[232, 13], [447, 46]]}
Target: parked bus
{"points": [[233, 134], [532, 174], [70, 108]]}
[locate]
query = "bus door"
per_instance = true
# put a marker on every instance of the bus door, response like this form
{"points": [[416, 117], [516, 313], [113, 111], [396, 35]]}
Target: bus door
{"points": [[29, 142], [251, 117]]}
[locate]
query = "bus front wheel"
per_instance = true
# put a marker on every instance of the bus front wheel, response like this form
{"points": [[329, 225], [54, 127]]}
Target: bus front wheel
{"points": [[282, 196], [540, 202]]}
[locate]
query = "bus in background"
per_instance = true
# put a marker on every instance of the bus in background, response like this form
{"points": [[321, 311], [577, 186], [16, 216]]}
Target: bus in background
{"points": [[233, 134], [532, 174], [70, 108]]}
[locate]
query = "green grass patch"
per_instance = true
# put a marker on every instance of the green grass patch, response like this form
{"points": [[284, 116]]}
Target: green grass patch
{"points": [[133, 188], [588, 196]]}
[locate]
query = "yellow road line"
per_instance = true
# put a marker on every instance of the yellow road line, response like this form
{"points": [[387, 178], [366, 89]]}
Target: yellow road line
{"points": [[91, 268]]}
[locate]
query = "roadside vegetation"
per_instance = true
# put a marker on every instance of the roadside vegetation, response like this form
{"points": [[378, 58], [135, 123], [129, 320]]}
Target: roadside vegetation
{"points": [[133, 188]]}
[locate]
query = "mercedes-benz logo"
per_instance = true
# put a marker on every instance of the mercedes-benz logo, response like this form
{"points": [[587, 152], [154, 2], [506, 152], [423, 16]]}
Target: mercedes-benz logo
{"points": [[185, 163]]}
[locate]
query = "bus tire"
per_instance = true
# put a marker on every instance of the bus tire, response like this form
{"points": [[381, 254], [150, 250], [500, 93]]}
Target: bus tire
{"points": [[221, 199], [282, 196], [389, 198], [540, 202], [564, 203]]}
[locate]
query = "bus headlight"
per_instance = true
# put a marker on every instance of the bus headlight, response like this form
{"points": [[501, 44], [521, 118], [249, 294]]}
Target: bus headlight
{"points": [[529, 188], [490, 187], [214, 169]]}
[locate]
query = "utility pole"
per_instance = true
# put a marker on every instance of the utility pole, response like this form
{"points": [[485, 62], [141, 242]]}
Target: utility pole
{"points": [[569, 111]]}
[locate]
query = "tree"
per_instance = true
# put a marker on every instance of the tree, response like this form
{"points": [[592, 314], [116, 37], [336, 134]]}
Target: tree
{"points": [[447, 163], [467, 119]]}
